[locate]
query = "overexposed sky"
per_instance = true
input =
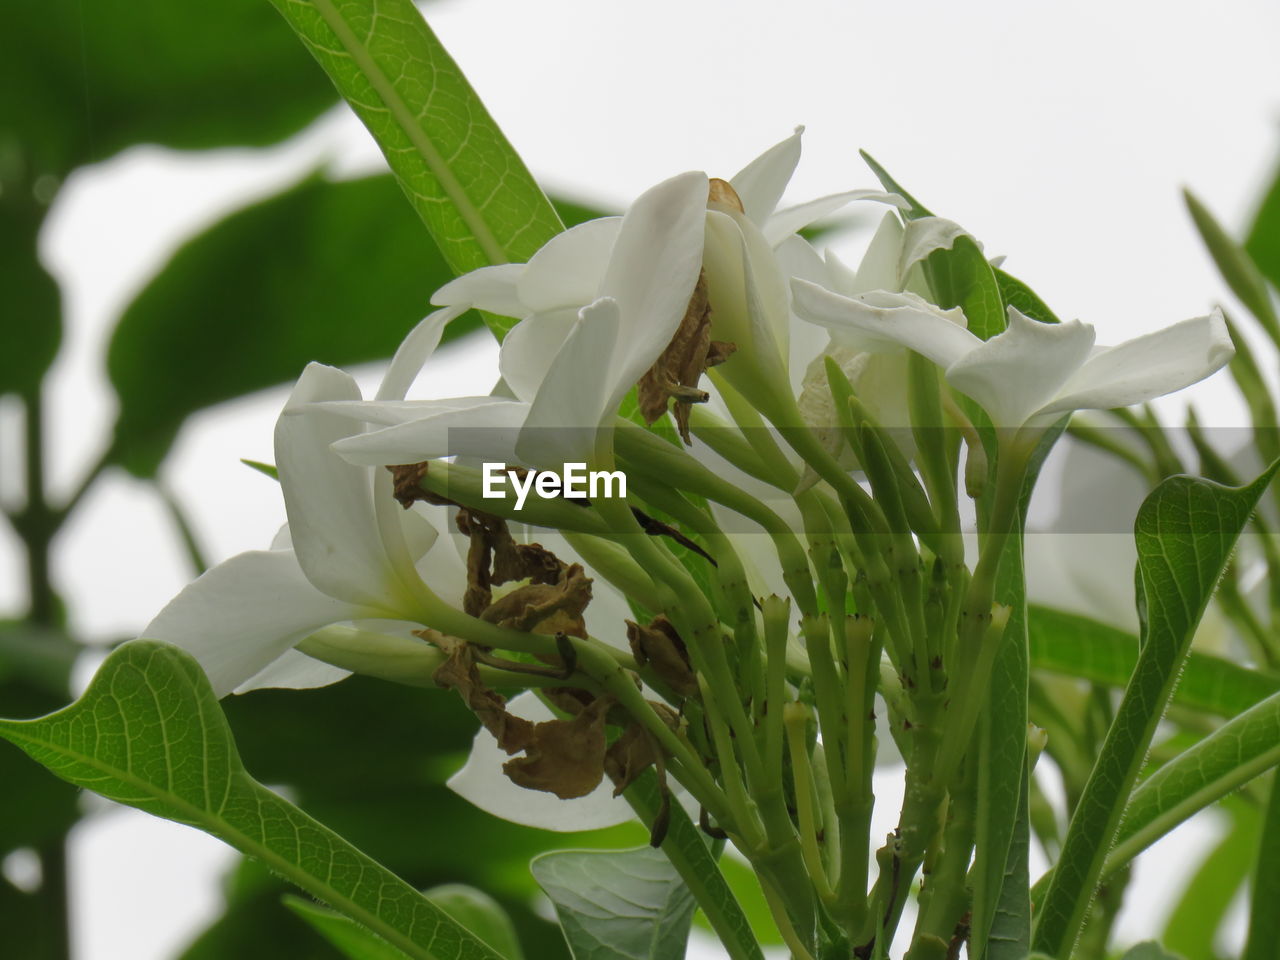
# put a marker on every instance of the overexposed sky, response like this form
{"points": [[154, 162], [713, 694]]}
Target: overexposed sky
{"points": [[1059, 134]]}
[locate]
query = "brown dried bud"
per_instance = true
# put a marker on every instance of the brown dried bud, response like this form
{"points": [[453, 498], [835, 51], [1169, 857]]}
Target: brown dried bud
{"points": [[564, 757], [722, 194], [676, 372], [660, 645]]}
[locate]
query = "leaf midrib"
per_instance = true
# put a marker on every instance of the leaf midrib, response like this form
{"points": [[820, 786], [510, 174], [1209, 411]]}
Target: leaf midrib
{"points": [[385, 89]]}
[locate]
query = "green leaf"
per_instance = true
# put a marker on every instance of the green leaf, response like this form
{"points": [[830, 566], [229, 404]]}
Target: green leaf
{"points": [[617, 904], [1149, 950], [82, 79], [684, 846], [1236, 267], [1263, 241], [32, 315], [1017, 294], [1080, 647], [1198, 915], [479, 913], [1264, 919], [353, 940], [148, 732], [461, 175], [1185, 532], [1002, 774], [336, 273], [960, 276], [473, 909], [1010, 930], [1231, 756]]}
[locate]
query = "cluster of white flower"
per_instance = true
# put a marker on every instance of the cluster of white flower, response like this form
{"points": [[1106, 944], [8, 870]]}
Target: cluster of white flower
{"points": [[698, 273]]}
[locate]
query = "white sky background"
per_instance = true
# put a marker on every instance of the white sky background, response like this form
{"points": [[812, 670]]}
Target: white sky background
{"points": [[1059, 134]]}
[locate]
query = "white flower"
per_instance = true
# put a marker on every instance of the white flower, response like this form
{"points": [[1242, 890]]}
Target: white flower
{"points": [[1031, 373], [600, 303], [338, 562]]}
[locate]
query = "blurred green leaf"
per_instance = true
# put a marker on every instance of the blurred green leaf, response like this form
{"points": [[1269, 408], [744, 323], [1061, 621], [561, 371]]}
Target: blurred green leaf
{"points": [[1185, 531], [353, 940], [333, 272], [1077, 646], [255, 922], [460, 173], [82, 79], [479, 913], [1263, 241], [617, 904], [1149, 950], [36, 808], [1264, 918], [1236, 266], [330, 272], [32, 312], [1198, 915], [470, 907], [148, 732]]}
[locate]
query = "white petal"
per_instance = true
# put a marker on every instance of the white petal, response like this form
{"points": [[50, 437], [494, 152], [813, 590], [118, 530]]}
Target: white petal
{"points": [[564, 417], [925, 236], [760, 183], [569, 269], [1147, 367], [797, 258], [1022, 367], [488, 288], [294, 671], [652, 272], [414, 351], [390, 413], [244, 613], [486, 431], [748, 300], [786, 222], [329, 501], [530, 349], [482, 782], [880, 320], [881, 266]]}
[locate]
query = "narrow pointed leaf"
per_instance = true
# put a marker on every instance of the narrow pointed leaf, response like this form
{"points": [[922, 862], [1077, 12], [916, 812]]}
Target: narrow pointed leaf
{"points": [[1185, 532], [1231, 756], [1263, 242], [149, 733], [1236, 266], [1002, 831], [458, 170]]}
